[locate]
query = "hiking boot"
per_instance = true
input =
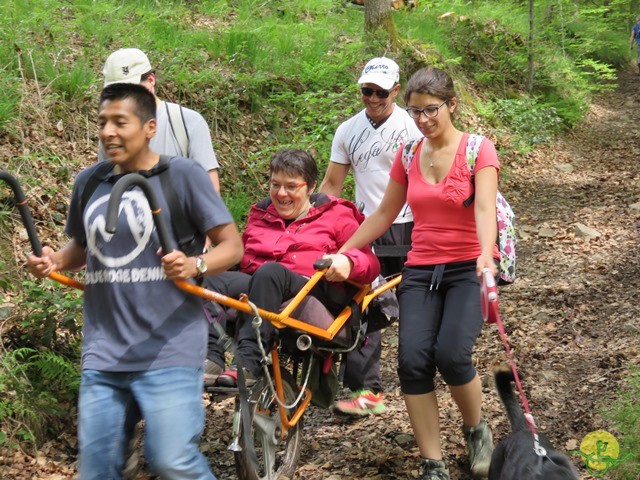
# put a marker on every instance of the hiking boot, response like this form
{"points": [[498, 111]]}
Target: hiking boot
{"points": [[479, 448], [211, 372], [362, 403], [433, 470]]}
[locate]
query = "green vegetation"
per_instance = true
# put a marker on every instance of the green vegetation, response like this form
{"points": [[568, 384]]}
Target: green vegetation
{"points": [[624, 414], [39, 390], [266, 75]]}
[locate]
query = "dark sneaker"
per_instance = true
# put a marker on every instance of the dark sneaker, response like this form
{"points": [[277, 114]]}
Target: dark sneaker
{"points": [[433, 470], [479, 448], [362, 403]]}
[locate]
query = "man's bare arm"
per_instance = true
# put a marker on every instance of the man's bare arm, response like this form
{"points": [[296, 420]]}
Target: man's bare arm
{"points": [[334, 178]]}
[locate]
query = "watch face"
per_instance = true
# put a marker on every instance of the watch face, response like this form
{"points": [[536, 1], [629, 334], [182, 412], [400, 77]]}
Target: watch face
{"points": [[201, 265]]}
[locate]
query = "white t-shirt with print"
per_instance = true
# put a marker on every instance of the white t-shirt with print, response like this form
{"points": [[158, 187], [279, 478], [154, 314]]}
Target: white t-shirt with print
{"points": [[370, 152]]}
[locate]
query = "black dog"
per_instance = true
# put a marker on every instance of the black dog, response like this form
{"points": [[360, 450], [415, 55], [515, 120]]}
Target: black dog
{"points": [[515, 458]]}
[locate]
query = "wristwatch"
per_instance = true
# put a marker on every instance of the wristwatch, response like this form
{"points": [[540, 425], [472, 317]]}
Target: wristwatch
{"points": [[201, 266]]}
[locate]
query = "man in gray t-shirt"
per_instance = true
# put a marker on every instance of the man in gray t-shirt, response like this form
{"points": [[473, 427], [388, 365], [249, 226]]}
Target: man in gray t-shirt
{"points": [[180, 131], [144, 339], [131, 65]]}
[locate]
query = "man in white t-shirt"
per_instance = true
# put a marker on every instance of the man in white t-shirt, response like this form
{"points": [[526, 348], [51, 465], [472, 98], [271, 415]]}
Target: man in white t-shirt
{"points": [[131, 65], [366, 144]]}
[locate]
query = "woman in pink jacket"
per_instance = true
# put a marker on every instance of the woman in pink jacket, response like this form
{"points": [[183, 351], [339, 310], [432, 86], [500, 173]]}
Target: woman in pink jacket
{"points": [[286, 233]]}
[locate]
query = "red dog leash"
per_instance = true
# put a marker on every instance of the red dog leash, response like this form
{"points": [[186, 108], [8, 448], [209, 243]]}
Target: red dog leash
{"points": [[489, 300]]}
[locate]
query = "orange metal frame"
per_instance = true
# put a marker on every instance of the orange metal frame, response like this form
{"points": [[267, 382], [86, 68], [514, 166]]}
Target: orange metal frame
{"points": [[69, 282], [283, 319], [279, 320]]}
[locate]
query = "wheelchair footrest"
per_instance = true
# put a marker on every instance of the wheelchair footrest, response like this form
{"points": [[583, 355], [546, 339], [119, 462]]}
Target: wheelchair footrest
{"points": [[222, 391]]}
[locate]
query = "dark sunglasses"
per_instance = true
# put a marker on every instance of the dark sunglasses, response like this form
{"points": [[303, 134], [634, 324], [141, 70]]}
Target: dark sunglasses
{"points": [[367, 92]]}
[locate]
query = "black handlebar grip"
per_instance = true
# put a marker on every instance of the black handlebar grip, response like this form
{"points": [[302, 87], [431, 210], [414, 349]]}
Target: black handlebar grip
{"points": [[25, 213], [322, 263]]}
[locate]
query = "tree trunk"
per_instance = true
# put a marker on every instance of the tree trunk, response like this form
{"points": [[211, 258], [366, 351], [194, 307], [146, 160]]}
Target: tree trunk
{"points": [[530, 71], [377, 17]]}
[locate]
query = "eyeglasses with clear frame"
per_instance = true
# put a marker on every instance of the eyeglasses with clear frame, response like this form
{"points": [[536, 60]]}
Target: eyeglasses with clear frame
{"points": [[430, 111], [291, 188]]}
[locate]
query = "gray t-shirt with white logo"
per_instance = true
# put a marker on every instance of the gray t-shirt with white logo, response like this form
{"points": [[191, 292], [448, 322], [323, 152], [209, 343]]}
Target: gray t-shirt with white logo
{"points": [[134, 318]]}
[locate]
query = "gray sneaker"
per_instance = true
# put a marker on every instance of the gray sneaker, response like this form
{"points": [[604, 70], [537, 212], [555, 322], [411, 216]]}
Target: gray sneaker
{"points": [[434, 470], [479, 448]]}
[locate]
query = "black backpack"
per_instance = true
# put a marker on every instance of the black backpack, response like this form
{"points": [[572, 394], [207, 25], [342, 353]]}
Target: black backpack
{"points": [[182, 227]]}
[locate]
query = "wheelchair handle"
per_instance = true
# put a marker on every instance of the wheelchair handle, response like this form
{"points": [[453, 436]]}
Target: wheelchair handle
{"points": [[25, 213], [322, 264], [27, 221], [113, 207]]}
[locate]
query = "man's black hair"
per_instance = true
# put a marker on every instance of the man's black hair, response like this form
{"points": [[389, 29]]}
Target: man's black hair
{"points": [[144, 100], [145, 76]]}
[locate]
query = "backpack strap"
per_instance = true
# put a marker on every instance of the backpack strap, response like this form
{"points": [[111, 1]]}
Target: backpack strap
{"points": [[102, 171], [178, 127], [471, 154], [98, 176], [472, 149], [409, 151], [182, 227]]}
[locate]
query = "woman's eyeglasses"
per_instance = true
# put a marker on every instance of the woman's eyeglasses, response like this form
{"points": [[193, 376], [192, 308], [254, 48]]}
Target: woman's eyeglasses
{"points": [[291, 188], [367, 92], [430, 111]]}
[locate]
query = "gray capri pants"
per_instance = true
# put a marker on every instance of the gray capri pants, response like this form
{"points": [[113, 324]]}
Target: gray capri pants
{"points": [[440, 320]]}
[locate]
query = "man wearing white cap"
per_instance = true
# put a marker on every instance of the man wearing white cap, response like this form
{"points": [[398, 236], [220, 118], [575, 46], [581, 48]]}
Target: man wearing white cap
{"points": [[180, 131], [366, 144]]}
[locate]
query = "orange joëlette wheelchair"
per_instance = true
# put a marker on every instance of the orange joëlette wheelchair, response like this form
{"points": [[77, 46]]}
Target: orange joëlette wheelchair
{"points": [[267, 426]]}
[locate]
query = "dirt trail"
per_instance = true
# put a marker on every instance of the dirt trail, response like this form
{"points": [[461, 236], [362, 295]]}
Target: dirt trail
{"points": [[570, 316]]}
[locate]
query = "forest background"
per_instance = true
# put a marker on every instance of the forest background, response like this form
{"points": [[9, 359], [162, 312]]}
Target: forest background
{"points": [[266, 75]]}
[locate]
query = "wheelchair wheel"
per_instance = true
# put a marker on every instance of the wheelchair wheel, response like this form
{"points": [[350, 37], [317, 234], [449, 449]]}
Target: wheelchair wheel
{"points": [[277, 457]]}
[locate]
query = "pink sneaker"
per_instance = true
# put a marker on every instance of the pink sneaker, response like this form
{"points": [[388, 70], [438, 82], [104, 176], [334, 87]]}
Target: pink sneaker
{"points": [[362, 403]]}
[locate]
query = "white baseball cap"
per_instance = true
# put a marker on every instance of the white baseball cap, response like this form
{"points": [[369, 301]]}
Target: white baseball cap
{"points": [[381, 71], [126, 65]]}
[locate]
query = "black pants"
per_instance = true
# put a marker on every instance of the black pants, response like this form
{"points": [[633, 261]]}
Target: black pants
{"points": [[440, 320], [270, 286], [231, 284], [361, 368]]}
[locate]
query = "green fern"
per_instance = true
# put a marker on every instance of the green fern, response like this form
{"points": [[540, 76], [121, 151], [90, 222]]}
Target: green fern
{"points": [[57, 369], [37, 389]]}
